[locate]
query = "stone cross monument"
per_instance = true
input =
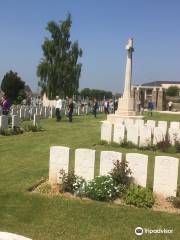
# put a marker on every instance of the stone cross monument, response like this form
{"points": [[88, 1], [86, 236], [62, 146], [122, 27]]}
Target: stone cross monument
{"points": [[128, 74], [126, 104]]}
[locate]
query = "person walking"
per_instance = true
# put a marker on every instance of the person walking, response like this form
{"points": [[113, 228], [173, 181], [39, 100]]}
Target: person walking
{"points": [[5, 104], [58, 108], [150, 107], [115, 105], [170, 106], [70, 109], [106, 107], [95, 107]]}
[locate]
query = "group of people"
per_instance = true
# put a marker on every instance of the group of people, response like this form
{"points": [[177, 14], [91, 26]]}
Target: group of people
{"points": [[109, 106], [59, 108]]}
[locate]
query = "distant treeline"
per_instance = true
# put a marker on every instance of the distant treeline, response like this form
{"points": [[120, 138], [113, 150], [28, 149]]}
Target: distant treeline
{"points": [[95, 93]]}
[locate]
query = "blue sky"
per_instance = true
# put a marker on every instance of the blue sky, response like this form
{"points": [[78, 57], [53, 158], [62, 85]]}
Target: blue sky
{"points": [[102, 28]]}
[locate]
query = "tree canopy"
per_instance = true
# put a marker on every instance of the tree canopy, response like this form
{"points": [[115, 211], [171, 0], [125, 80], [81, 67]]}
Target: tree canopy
{"points": [[59, 70], [173, 91], [13, 87]]}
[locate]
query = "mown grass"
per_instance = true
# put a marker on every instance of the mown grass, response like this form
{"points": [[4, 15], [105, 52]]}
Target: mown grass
{"points": [[24, 160]]}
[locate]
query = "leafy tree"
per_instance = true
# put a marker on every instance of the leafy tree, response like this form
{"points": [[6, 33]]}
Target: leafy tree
{"points": [[59, 70], [173, 91], [13, 87]]}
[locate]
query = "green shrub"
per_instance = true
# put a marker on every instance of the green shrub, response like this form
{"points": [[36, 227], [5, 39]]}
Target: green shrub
{"points": [[10, 131], [139, 196], [121, 174], [164, 145], [177, 146], [102, 188], [128, 144], [32, 128], [175, 201], [72, 183]]}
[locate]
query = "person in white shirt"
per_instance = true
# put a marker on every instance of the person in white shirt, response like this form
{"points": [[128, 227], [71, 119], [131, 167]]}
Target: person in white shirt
{"points": [[170, 105], [58, 108]]}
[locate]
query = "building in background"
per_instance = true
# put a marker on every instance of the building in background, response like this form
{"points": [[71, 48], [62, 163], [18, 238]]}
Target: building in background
{"points": [[155, 91]]}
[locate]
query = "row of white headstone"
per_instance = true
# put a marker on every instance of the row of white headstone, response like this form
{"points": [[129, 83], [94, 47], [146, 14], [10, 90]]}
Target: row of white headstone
{"points": [[28, 112], [165, 171], [16, 121], [139, 133], [47, 112]]}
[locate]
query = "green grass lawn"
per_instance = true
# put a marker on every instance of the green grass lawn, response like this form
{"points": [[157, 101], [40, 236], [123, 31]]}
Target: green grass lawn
{"points": [[24, 160]]}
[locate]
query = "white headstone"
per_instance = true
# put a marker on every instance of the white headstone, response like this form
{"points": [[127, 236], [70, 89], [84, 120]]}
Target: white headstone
{"points": [[138, 164], [151, 124], [132, 134], [118, 121], [13, 111], [173, 134], [26, 113], [174, 125], [159, 135], [84, 163], [166, 175], [106, 131], [32, 112], [119, 131], [15, 121], [163, 126], [21, 113], [145, 136], [139, 122], [37, 111], [59, 159], [46, 112], [107, 159], [128, 122], [11, 236], [36, 120], [3, 122], [52, 112]]}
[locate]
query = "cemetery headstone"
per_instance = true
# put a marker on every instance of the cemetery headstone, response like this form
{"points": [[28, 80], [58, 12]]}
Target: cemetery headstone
{"points": [[132, 134], [145, 136], [107, 159], [166, 175], [84, 163], [106, 131], [159, 135], [138, 164], [15, 121], [3, 122], [59, 159], [119, 132], [174, 125]]}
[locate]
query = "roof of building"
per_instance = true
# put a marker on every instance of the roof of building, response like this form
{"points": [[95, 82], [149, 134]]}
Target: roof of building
{"points": [[158, 83]]}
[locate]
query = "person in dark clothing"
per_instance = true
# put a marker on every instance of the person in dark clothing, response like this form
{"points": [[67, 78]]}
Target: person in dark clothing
{"points": [[115, 105], [70, 109], [150, 107], [5, 104], [95, 107]]}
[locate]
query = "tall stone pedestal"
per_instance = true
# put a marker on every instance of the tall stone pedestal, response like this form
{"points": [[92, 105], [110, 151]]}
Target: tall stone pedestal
{"points": [[126, 104], [126, 107], [118, 118]]}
